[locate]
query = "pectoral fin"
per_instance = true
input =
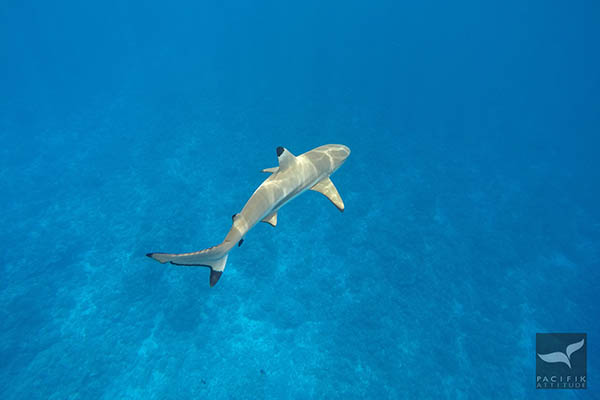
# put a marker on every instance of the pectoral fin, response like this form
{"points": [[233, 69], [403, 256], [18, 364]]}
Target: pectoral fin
{"points": [[270, 170], [271, 219], [327, 188]]}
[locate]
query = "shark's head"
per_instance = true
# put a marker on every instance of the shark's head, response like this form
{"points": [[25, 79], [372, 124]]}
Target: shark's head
{"points": [[328, 158], [338, 154]]}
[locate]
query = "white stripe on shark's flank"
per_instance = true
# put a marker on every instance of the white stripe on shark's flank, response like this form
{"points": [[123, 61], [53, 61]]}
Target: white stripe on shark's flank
{"points": [[292, 177]]}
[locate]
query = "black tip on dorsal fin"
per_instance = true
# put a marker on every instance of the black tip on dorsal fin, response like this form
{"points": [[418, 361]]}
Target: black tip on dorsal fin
{"points": [[280, 151], [240, 242], [233, 217]]}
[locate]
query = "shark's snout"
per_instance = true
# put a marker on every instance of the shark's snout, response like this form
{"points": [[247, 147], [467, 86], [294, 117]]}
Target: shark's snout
{"points": [[340, 152], [345, 149]]}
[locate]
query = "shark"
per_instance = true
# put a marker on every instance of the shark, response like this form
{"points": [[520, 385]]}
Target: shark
{"points": [[293, 176]]}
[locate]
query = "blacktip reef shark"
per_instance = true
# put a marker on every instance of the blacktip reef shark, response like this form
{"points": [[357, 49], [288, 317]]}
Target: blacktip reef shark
{"points": [[294, 176]]}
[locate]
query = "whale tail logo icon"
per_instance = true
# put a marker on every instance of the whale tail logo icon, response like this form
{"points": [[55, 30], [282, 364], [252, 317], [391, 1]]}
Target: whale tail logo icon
{"points": [[565, 357]]}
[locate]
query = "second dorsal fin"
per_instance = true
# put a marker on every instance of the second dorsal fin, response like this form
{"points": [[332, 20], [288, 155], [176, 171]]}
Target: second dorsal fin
{"points": [[271, 219]]}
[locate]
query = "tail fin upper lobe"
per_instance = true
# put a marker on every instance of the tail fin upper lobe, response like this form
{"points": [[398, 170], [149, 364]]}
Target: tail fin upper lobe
{"points": [[214, 257]]}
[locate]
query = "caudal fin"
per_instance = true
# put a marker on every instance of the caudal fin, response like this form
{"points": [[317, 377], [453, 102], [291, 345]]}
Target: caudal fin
{"points": [[214, 257]]}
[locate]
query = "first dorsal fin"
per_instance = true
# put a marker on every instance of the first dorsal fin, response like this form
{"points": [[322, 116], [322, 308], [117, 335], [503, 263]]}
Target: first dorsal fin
{"points": [[285, 157], [327, 188]]}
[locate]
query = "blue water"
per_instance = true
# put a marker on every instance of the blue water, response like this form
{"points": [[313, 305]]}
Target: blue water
{"points": [[471, 223]]}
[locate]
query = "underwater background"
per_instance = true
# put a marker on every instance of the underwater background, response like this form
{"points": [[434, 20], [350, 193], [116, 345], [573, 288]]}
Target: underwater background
{"points": [[472, 216]]}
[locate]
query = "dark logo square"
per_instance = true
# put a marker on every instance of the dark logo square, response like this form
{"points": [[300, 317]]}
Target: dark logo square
{"points": [[561, 360]]}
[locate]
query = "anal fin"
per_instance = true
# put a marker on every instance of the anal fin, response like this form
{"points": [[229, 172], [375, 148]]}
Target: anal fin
{"points": [[328, 189], [271, 219]]}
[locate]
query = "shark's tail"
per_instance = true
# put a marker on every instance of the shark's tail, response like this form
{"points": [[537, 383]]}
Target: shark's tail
{"points": [[214, 257]]}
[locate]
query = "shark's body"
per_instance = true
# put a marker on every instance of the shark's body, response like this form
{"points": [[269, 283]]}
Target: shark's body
{"points": [[292, 177]]}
